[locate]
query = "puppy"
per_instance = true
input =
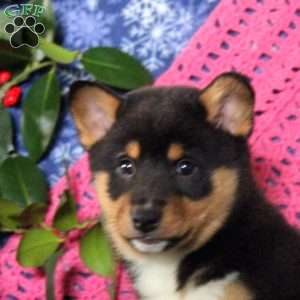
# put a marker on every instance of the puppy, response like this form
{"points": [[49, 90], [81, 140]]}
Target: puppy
{"points": [[171, 168]]}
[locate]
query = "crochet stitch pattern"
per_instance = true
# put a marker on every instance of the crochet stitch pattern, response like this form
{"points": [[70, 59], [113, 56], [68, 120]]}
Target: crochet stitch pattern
{"points": [[259, 38]]}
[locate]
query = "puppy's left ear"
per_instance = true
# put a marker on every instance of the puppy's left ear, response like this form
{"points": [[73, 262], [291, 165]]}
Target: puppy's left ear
{"points": [[94, 110], [229, 102]]}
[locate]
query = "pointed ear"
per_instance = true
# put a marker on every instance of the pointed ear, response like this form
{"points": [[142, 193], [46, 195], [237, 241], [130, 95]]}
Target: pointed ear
{"points": [[229, 102], [94, 109]]}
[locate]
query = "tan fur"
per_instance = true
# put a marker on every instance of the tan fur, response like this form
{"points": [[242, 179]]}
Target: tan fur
{"points": [[175, 152], [200, 219], [116, 216], [229, 105], [94, 112], [237, 291], [133, 149]]}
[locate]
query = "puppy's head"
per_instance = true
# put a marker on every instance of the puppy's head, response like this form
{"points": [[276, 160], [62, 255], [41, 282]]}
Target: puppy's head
{"points": [[166, 161]]}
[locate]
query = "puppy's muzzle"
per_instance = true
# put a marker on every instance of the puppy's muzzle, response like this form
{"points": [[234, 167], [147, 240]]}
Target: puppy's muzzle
{"points": [[146, 220]]}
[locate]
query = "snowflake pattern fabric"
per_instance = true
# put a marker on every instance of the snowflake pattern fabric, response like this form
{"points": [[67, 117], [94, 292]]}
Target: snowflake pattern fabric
{"points": [[153, 31], [157, 30]]}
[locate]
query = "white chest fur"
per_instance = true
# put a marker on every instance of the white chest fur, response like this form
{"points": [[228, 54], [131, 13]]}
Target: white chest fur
{"points": [[156, 280]]}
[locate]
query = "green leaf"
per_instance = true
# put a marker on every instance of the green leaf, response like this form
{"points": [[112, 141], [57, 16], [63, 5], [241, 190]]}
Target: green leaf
{"points": [[115, 68], [9, 223], [14, 58], [33, 215], [6, 137], [22, 182], [96, 252], [50, 273], [40, 114], [36, 246], [9, 208], [65, 218], [13, 216], [57, 53]]}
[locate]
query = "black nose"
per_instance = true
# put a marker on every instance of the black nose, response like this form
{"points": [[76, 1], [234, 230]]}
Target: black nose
{"points": [[146, 220]]}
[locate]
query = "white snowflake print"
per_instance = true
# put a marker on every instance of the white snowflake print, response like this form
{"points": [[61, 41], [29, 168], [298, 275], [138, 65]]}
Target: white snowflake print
{"points": [[62, 157], [68, 75], [92, 4], [65, 152], [157, 30], [86, 25]]}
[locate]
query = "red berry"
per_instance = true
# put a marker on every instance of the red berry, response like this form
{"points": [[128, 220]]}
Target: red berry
{"points": [[12, 96], [4, 76]]}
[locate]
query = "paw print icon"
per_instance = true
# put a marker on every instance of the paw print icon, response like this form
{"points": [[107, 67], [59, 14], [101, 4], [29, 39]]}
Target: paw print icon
{"points": [[24, 31]]}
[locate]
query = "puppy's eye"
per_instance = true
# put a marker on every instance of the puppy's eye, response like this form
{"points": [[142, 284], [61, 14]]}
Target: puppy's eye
{"points": [[126, 167], [185, 167]]}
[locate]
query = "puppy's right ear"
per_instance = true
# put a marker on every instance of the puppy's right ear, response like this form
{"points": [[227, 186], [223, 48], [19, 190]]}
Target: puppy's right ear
{"points": [[94, 109]]}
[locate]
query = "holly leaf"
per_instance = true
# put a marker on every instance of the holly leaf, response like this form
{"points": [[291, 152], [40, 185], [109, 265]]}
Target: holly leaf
{"points": [[33, 215], [6, 136], [115, 68], [22, 182], [13, 216], [9, 208], [36, 246], [40, 114], [9, 223], [65, 218], [96, 251]]}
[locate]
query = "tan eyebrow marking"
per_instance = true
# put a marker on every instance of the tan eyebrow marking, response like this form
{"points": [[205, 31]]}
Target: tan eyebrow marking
{"points": [[133, 149], [175, 152]]}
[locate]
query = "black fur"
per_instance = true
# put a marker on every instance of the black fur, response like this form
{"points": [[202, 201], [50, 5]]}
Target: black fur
{"points": [[157, 118], [256, 242]]}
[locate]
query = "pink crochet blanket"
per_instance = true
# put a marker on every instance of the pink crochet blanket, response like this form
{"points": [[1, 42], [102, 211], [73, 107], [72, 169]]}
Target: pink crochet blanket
{"points": [[259, 38]]}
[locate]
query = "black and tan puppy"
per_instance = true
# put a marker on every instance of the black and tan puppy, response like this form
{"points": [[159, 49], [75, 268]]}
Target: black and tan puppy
{"points": [[171, 169]]}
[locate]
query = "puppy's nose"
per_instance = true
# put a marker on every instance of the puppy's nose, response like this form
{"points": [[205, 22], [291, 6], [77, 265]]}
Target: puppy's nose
{"points": [[146, 220]]}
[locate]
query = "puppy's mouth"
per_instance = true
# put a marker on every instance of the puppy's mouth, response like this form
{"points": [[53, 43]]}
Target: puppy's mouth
{"points": [[148, 244]]}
